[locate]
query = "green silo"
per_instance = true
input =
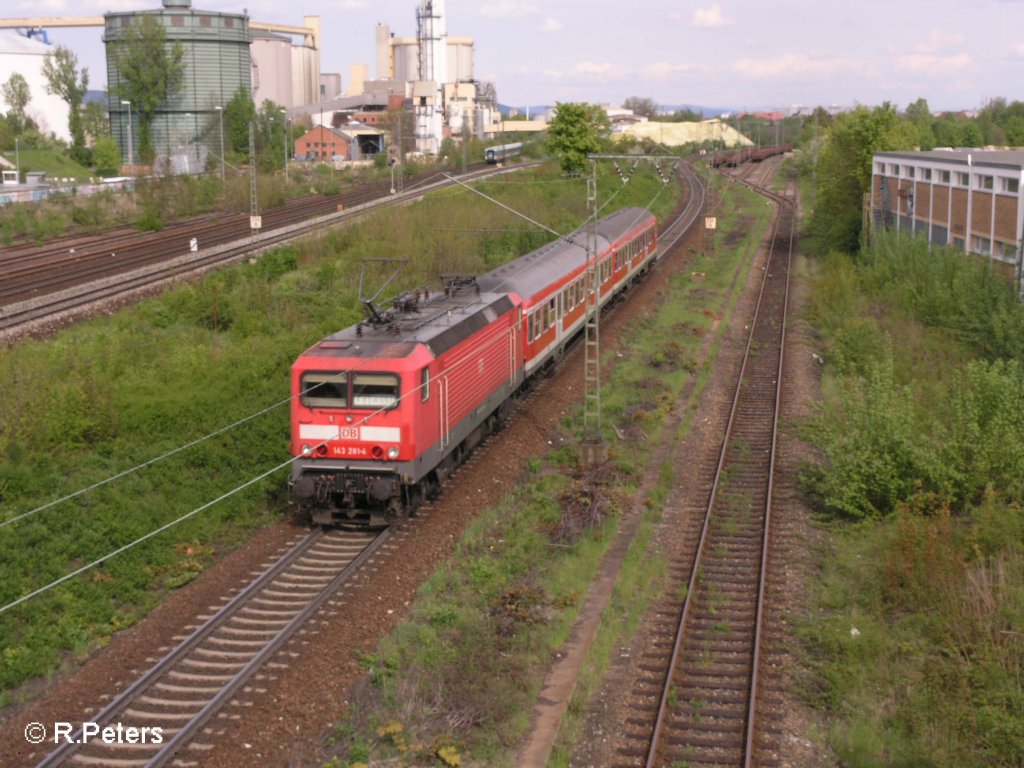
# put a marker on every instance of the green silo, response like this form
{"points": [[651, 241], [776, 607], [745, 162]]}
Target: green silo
{"points": [[217, 61]]}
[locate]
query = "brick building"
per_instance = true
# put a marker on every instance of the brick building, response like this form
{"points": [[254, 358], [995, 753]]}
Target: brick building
{"points": [[325, 144], [967, 198]]}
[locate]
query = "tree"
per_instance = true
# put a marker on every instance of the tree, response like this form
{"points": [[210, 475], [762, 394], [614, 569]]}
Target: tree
{"points": [[238, 113], [844, 172], [576, 131], [270, 136], [60, 68], [94, 121], [642, 106], [106, 156], [17, 95], [920, 118], [151, 73], [684, 116]]}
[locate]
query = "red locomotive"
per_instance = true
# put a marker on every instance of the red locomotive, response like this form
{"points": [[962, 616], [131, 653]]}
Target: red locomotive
{"points": [[383, 411]]}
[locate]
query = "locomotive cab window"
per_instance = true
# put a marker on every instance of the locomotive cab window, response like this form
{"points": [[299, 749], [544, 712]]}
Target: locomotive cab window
{"points": [[374, 390], [425, 384], [325, 390]]}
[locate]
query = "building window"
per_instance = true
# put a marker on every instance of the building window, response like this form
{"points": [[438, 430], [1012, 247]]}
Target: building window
{"points": [[894, 170], [962, 179], [982, 245], [910, 172], [944, 177], [926, 174], [880, 169], [205, 21], [1011, 185], [983, 182], [177, 21], [229, 22]]}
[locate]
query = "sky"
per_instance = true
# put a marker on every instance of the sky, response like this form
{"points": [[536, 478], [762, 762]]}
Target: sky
{"points": [[737, 54]]}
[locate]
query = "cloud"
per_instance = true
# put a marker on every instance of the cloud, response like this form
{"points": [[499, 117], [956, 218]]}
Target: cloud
{"points": [[586, 69], [50, 6], [659, 70], [1019, 49], [711, 18], [931, 64], [550, 24], [592, 68], [937, 40], [103, 6], [792, 64], [505, 9]]}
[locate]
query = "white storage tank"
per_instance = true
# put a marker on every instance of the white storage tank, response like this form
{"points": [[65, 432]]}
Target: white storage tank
{"points": [[272, 68], [406, 57], [460, 59]]}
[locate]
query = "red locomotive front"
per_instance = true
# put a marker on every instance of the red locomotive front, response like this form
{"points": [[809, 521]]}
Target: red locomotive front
{"points": [[383, 411]]}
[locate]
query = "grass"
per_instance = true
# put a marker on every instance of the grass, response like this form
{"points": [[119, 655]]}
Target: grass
{"points": [[113, 392], [914, 632], [56, 165]]}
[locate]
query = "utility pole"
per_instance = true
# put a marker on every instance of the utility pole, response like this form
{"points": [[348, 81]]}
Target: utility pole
{"points": [[465, 143], [220, 113], [593, 447], [255, 221]]}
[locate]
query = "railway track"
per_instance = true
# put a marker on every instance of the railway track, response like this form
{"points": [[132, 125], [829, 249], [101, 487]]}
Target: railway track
{"points": [[182, 691], [35, 287], [696, 699]]}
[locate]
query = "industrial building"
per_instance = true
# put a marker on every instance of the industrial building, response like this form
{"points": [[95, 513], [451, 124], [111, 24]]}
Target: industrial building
{"points": [[438, 70], [966, 198], [25, 55], [353, 142], [223, 51]]}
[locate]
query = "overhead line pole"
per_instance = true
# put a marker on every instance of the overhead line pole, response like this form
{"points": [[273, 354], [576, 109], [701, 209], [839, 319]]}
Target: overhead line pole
{"points": [[594, 451]]}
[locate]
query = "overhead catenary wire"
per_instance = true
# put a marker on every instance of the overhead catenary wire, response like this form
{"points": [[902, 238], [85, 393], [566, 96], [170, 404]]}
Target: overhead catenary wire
{"points": [[141, 539], [498, 338], [147, 463], [288, 400]]}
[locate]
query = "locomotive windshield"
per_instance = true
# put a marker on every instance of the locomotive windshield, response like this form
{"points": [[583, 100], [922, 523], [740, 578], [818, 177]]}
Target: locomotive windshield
{"points": [[366, 391], [374, 390], [325, 390]]}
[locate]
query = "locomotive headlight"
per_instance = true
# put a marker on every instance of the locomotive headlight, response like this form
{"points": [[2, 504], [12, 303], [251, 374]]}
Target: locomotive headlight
{"points": [[306, 450], [393, 452]]}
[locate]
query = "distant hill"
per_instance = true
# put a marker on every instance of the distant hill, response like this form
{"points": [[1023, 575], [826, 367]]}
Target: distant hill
{"points": [[667, 109]]}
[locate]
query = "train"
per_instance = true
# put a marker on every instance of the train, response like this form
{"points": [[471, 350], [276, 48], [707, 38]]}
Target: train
{"points": [[503, 152], [734, 157], [383, 411]]}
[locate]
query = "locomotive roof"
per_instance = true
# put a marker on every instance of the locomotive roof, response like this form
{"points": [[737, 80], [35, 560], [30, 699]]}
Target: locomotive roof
{"points": [[439, 320], [532, 273]]}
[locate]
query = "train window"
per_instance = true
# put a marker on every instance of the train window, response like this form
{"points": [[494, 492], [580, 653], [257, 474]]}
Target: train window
{"points": [[374, 390], [325, 390], [529, 331], [425, 384]]}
